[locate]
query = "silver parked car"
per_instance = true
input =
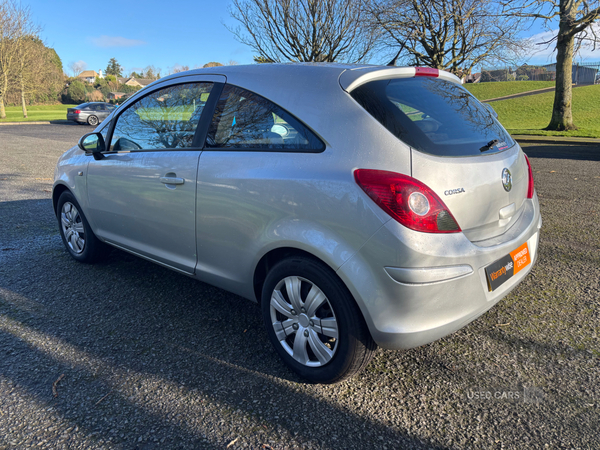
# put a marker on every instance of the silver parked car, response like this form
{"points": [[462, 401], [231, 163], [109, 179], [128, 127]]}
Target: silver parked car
{"points": [[359, 205], [91, 113]]}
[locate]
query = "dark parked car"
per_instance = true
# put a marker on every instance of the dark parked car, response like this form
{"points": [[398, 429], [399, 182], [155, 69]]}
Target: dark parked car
{"points": [[90, 113]]}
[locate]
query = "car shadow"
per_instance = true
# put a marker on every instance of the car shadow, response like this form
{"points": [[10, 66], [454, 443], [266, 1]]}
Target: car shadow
{"points": [[64, 122], [562, 151], [151, 353]]}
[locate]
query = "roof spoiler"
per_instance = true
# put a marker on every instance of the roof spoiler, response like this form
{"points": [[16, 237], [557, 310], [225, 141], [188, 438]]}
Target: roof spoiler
{"points": [[352, 78]]}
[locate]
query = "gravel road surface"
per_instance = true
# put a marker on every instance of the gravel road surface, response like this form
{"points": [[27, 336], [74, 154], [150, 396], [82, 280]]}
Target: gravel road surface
{"points": [[129, 355]]}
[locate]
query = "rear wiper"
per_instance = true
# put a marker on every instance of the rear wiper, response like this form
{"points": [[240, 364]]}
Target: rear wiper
{"points": [[489, 145]]}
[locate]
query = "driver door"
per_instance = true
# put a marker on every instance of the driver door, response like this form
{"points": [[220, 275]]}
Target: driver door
{"points": [[142, 194]]}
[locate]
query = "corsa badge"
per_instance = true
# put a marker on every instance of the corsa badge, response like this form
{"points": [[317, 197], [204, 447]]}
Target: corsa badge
{"points": [[506, 180]]}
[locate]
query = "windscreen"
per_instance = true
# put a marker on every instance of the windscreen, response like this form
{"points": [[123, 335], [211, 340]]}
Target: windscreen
{"points": [[434, 116]]}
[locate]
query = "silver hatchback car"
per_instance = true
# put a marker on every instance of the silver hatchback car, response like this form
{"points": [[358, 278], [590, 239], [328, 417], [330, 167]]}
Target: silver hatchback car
{"points": [[359, 205]]}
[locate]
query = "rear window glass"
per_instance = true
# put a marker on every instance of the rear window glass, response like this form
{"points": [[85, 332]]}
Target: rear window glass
{"points": [[245, 120], [434, 116]]}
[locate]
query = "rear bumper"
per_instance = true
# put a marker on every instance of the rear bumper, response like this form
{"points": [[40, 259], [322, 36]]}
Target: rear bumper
{"points": [[414, 288], [75, 118]]}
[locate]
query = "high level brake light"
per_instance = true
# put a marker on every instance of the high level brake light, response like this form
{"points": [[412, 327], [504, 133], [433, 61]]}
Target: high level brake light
{"points": [[407, 200], [426, 72]]}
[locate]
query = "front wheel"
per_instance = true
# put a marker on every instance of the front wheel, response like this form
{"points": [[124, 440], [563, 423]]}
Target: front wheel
{"points": [[313, 322], [77, 235]]}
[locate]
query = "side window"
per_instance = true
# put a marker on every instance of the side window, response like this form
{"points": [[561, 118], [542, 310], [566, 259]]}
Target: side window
{"points": [[245, 120], [163, 119]]}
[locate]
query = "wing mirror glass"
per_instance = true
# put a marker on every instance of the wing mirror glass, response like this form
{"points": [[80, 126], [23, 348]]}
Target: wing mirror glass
{"points": [[93, 143]]}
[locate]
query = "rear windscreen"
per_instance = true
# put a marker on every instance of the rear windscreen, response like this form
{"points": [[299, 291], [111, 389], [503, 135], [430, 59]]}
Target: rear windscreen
{"points": [[434, 116]]}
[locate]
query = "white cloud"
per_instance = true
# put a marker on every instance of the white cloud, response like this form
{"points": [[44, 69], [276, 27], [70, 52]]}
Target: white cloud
{"points": [[116, 41], [81, 63], [547, 52]]}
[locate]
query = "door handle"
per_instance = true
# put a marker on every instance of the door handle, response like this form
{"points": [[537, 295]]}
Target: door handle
{"points": [[171, 180]]}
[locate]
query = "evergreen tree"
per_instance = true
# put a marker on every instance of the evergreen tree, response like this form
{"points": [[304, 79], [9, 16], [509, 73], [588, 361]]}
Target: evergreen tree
{"points": [[114, 68]]}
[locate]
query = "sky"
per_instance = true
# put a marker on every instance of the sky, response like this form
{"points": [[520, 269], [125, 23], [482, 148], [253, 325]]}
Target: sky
{"points": [[167, 33], [162, 33], [545, 54]]}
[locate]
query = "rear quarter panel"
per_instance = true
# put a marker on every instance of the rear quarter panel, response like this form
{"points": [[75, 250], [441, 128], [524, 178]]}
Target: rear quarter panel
{"points": [[249, 203]]}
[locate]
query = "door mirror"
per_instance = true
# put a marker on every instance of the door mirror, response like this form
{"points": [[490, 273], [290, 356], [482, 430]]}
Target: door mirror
{"points": [[94, 143], [491, 110]]}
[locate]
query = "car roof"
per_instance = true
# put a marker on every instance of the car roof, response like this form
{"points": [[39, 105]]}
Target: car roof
{"points": [[282, 69], [349, 76]]}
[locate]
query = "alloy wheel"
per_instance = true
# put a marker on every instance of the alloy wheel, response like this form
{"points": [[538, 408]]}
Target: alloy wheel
{"points": [[72, 227], [304, 321]]}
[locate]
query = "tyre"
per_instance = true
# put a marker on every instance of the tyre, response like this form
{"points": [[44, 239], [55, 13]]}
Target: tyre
{"points": [[93, 121], [313, 322], [79, 239]]}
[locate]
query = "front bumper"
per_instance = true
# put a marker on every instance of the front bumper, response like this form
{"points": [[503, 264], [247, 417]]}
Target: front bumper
{"points": [[414, 288]]}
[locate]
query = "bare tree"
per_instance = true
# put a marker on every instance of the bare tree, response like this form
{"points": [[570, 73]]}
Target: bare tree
{"points": [[152, 72], [576, 18], [39, 73], [28, 55], [454, 35], [304, 30], [28, 69], [178, 68], [77, 67], [10, 36]]}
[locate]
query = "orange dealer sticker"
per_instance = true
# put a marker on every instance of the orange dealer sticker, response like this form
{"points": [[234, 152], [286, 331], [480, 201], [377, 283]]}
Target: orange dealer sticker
{"points": [[520, 257]]}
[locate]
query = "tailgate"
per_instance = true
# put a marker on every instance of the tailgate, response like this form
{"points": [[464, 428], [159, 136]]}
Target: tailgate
{"points": [[473, 189]]}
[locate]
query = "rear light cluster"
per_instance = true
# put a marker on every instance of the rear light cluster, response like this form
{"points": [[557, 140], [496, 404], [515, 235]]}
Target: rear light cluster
{"points": [[77, 111], [530, 187], [407, 200]]}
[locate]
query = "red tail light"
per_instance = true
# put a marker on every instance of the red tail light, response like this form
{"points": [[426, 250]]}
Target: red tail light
{"points": [[426, 72], [407, 200], [530, 187], [77, 111]]}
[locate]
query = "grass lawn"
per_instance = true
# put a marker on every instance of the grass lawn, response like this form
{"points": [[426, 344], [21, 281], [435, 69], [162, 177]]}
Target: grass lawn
{"points": [[529, 115], [35, 113], [486, 91]]}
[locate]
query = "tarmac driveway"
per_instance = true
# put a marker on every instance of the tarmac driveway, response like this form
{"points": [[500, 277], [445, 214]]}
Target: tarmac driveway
{"points": [[126, 354]]}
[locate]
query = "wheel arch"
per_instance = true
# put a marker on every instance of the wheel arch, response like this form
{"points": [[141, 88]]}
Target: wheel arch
{"points": [[56, 193]]}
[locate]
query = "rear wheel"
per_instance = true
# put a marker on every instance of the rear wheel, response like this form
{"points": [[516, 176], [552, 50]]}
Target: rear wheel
{"points": [[313, 322], [79, 239], [92, 120]]}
